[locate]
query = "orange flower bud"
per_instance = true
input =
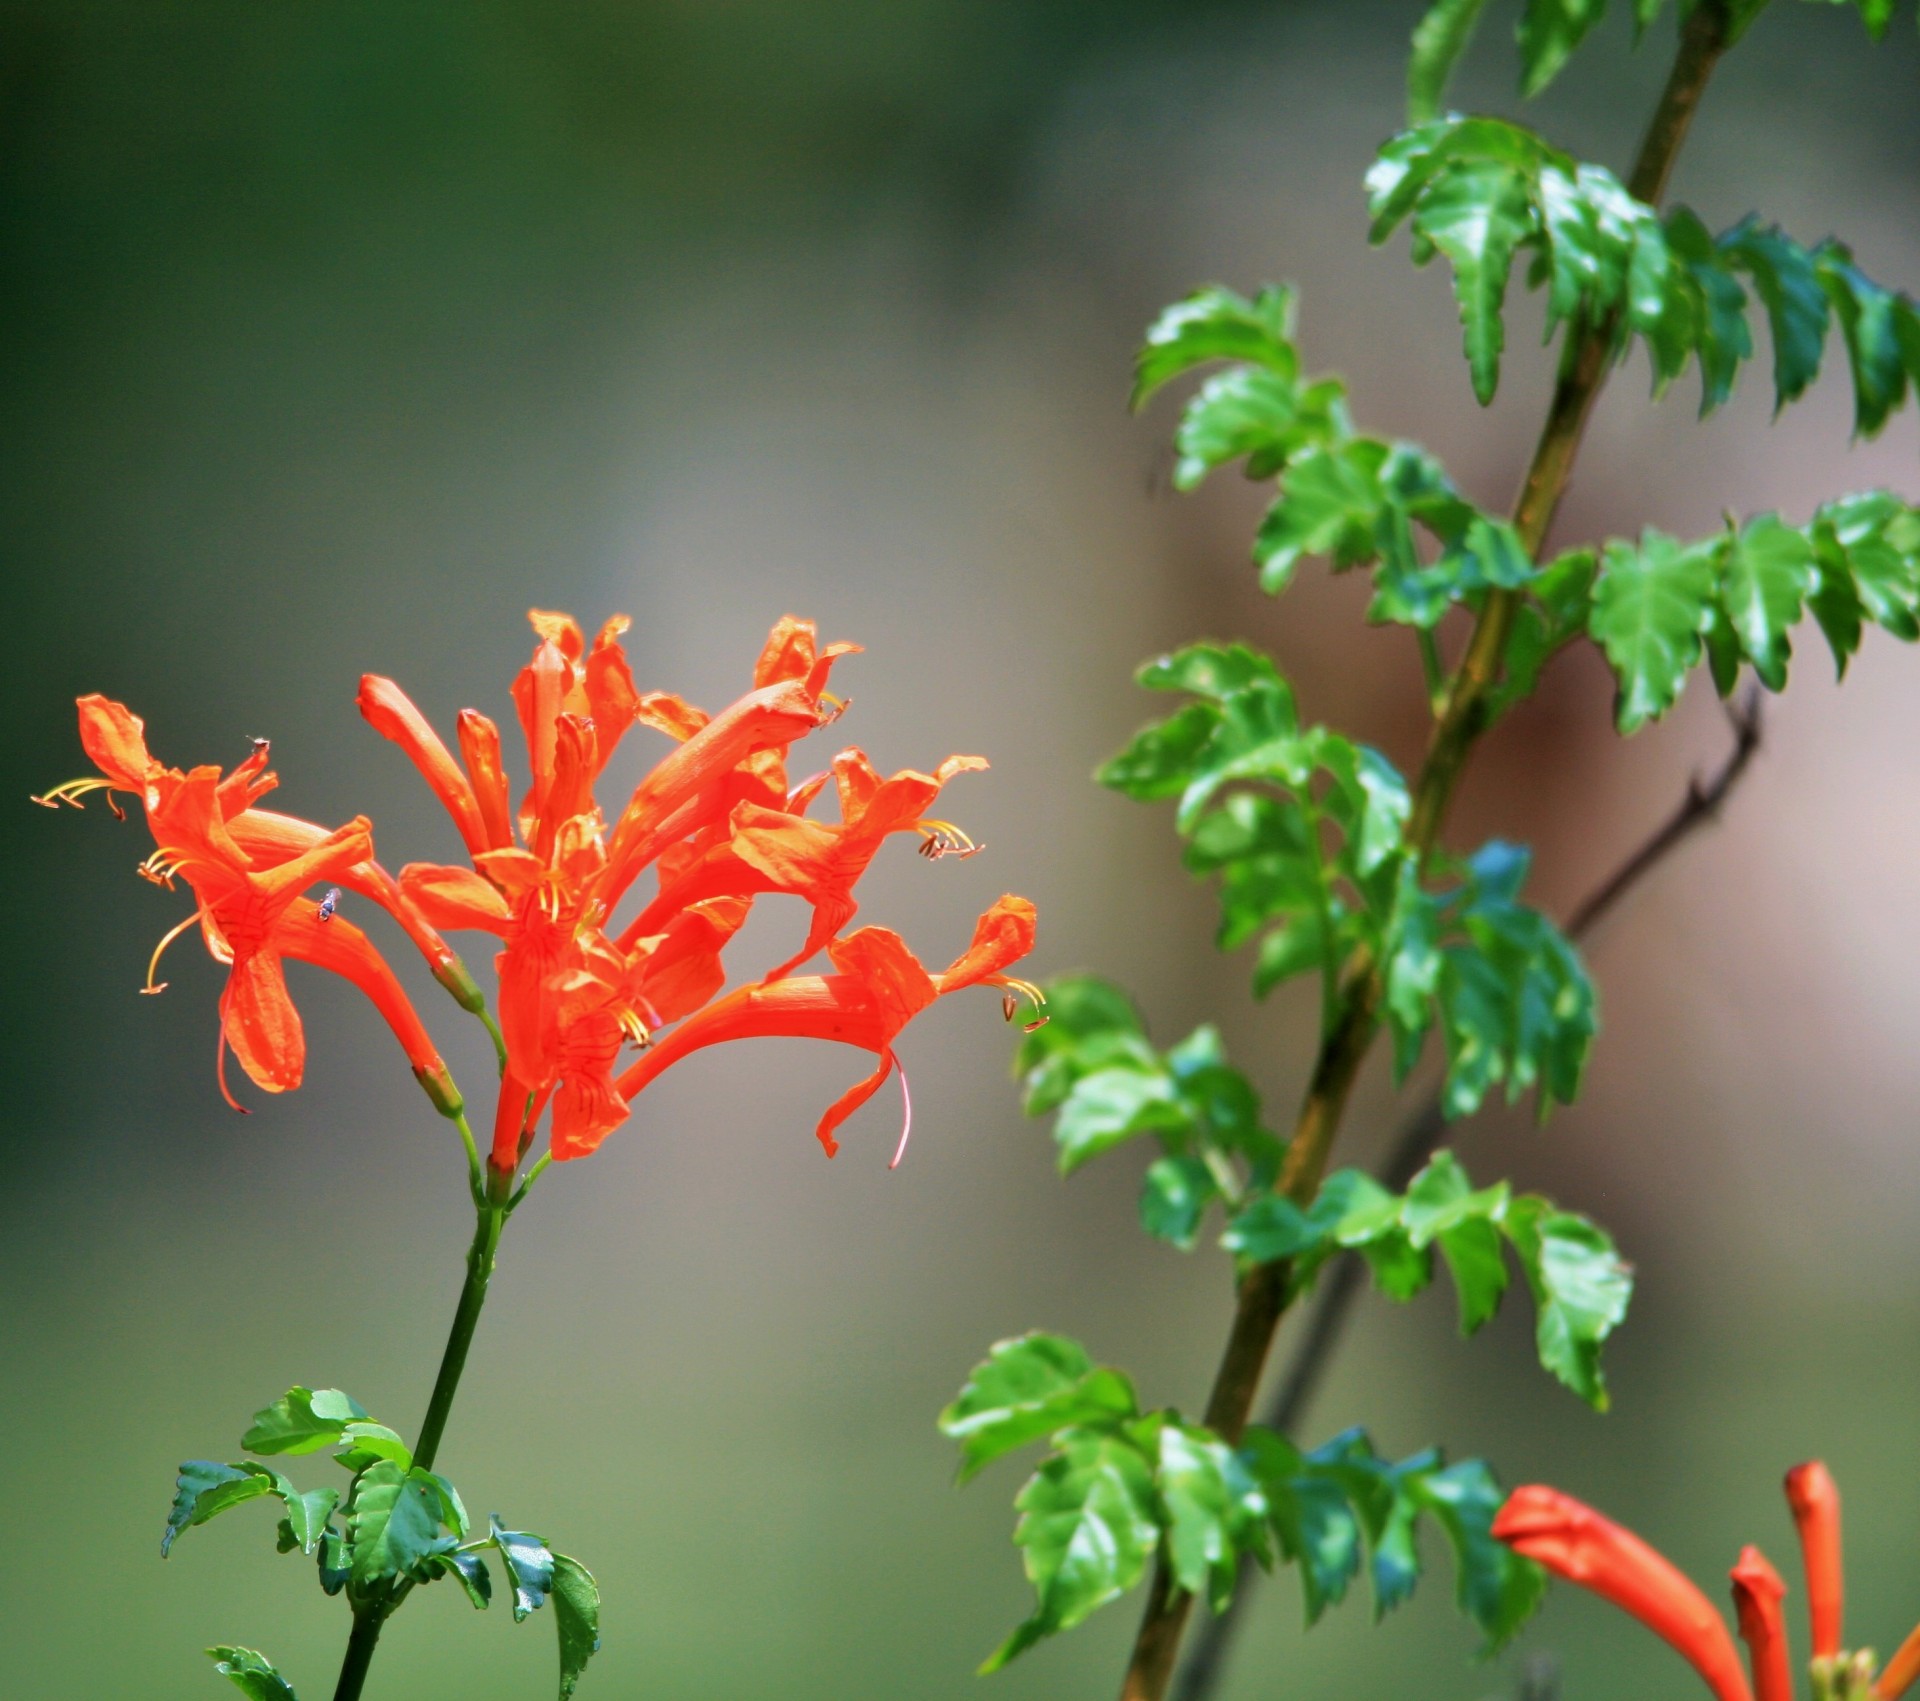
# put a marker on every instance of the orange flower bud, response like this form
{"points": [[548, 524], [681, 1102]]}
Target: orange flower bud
{"points": [[1757, 1593], [1815, 1501]]}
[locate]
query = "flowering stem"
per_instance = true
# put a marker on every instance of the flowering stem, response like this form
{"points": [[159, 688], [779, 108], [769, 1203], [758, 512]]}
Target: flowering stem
{"points": [[493, 1207], [1348, 1035]]}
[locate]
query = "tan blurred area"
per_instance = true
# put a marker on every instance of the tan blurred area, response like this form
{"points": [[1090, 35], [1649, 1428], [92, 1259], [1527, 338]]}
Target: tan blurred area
{"points": [[339, 341]]}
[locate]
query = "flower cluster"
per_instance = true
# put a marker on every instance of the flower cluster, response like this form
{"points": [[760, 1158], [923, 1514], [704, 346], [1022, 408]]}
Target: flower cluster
{"points": [[715, 821], [1575, 1542]]}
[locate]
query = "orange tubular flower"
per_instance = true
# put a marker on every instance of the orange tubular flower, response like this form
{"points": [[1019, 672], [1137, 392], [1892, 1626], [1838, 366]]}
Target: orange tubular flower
{"points": [[247, 869], [716, 817], [881, 987], [1757, 1593], [1901, 1670], [1575, 1542], [1815, 1502]]}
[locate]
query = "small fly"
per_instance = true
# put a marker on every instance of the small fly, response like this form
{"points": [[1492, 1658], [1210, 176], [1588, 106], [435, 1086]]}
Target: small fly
{"points": [[329, 903]]}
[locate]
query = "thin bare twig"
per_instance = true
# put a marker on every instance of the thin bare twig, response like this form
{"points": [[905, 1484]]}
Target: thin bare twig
{"points": [[1421, 1137]]}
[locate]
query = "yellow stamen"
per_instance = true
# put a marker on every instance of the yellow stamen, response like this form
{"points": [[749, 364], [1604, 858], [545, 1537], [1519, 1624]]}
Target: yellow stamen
{"points": [[943, 838], [153, 962], [71, 793], [837, 706]]}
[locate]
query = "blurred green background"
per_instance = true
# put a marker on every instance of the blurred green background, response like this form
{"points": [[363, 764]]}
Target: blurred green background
{"points": [[337, 335]]}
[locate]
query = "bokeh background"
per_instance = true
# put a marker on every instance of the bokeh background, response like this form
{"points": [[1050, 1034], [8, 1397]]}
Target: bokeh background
{"points": [[339, 335]]}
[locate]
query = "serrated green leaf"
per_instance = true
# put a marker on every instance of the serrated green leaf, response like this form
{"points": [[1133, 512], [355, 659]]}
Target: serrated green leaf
{"points": [[307, 1516], [1477, 214], [1300, 946], [1215, 1511], [1088, 1525], [333, 1560], [1784, 277], [204, 1489], [1251, 414], [1213, 671], [1581, 1287], [1549, 32], [252, 1673], [1311, 1516], [1867, 315], [1174, 1197], [1273, 1227], [1160, 760], [529, 1565], [1650, 607], [393, 1524], [1329, 504], [1440, 41], [1027, 1388], [1110, 1107], [302, 1420], [1724, 341], [1216, 324], [363, 1443], [471, 1571], [1474, 1260], [1496, 1588], [576, 1619], [1766, 573]]}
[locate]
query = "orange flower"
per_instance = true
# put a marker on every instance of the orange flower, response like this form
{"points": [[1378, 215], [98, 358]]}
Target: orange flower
{"points": [[1577, 1543], [880, 988], [780, 850], [1580, 1545], [247, 870]]}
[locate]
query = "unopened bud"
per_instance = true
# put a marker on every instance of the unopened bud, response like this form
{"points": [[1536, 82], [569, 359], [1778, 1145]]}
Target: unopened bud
{"points": [[438, 1085], [452, 974]]}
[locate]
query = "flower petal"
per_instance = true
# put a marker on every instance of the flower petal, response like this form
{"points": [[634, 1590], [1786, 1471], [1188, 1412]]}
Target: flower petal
{"points": [[261, 1024], [115, 740], [391, 713]]}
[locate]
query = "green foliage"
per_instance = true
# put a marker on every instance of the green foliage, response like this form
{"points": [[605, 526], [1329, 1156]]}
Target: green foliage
{"points": [[529, 1564], [1117, 1487], [1658, 606], [394, 1525], [253, 1674], [204, 1490], [576, 1619], [1095, 1065], [302, 1421], [1549, 32], [1580, 1283], [1357, 500], [1481, 191], [1028, 1388]]}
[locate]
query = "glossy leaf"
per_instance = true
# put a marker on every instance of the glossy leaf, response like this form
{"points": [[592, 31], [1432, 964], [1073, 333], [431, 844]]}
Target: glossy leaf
{"points": [[333, 1559], [205, 1489], [1581, 1286], [393, 1524], [529, 1564], [1440, 41], [1766, 573], [470, 1570], [1215, 324], [1496, 1588], [307, 1517], [1174, 1197], [1867, 315], [302, 1420], [1214, 1509], [576, 1619], [252, 1674], [1651, 605], [1111, 1106], [1088, 1526], [1092, 1024], [1024, 1390], [365, 1442], [1549, 32], [1784, 278]]}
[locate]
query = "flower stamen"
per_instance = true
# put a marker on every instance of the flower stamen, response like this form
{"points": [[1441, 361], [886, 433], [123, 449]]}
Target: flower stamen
{"points": [[1010, 1005], [943, 838], [906, 1098], [73, 790], [153, 962]]}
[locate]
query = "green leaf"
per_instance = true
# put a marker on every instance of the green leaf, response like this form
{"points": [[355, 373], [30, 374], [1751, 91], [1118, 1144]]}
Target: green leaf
{"points": [[1214, 671], [1867, 315], [1174, 1197], [1091, 1025], [1440, 41], [1162, 756], [472, 1572], [302, 1420], [307, 1516], [253, 1674], [366, 1442], [1215, 1511], [576, 1617], [1330, 503], [1271, 1228], [1724, 340], [1027, 1388], [1783, 274], [204, 1490], [1650, 607], [1496, 1588], [529, 1563], [1311, 1517], [1216, 324], [1765, 577], [1477, 215], [1549, 32], [1248, 412], [1581, 1287], [1112, 1106], [393, 1524], [1869, 539], [1088, 1526], [334, 1561]]}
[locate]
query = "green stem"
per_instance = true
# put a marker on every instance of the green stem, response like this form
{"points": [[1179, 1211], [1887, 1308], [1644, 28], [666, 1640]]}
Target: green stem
{"points": [[369, 1616]]}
